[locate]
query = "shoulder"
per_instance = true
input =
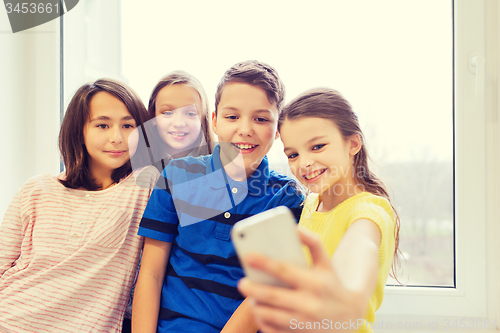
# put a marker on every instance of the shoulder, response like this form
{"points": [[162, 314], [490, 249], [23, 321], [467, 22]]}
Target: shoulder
{"points": [[374, 202], [372, 207], [146, 174], [188, 165], [144, 178], [311, 201], [38, 189], [44, 181], [286, 188], [279, 180]]}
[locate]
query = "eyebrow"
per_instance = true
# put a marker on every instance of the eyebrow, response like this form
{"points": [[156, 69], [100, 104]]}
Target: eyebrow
{"points": [[174, 108], [107, 118], [232, 108], [167, 105], [263, 111], [308, 141]]}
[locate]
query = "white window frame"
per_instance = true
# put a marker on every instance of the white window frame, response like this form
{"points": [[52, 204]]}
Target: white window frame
{"points": [[477, 176], [90, 54], [476, 143]]}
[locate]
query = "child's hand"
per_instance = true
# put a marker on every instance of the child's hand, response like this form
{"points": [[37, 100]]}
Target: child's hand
{"points": [[317, 295]]}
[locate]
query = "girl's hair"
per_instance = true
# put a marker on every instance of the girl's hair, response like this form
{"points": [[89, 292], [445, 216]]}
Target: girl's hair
{"points": [[329, 104], [181, 77], [71, 140]]}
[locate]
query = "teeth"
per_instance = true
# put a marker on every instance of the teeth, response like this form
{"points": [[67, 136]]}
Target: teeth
{"points": [[316, 173], [178, 133], [244, 146]]}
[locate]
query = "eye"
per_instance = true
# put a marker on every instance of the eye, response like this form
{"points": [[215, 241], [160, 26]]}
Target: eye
{"points": [[231, 117], [261, 120], [129, 126], [292, 156], [102, 126], [192, 114], [318, 147], [167, 113]]}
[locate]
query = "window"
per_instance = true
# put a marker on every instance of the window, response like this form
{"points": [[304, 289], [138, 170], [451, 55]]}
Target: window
{"points": [[381, 62], [415, 93]]}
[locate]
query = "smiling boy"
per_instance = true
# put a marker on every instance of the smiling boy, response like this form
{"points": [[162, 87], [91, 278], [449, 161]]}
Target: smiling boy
{"points": [[188, 257]]}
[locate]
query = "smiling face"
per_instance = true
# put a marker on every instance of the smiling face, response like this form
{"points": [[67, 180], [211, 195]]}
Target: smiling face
{"points": [[177, 119], [106, 135], [246, 124], [319, 157]]}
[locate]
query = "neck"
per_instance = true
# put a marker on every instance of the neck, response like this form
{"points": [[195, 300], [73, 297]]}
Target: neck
{"points": [[332, 198], [235, 168], [236, 171], [101, 177], [107, 184]]}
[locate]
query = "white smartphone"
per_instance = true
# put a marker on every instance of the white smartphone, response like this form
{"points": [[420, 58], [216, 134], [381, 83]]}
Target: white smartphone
{"points": [[272, 233]]}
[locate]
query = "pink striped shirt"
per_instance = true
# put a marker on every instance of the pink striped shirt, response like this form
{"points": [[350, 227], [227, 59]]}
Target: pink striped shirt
{"points": [[68, 257]]}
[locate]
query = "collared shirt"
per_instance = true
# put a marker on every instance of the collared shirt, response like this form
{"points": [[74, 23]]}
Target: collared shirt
{"points": [[195, 206]]}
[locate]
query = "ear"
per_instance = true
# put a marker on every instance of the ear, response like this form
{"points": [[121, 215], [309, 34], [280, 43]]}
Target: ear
{"points": [[214, 123], [277, 135], [355, 144]]}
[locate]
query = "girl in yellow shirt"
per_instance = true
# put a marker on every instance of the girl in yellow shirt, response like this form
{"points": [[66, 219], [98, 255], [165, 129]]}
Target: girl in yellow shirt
{"points": [[348, 208]]}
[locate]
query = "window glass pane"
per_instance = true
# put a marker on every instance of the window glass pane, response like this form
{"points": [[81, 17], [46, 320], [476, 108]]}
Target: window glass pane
{"points": [[391, 59]]}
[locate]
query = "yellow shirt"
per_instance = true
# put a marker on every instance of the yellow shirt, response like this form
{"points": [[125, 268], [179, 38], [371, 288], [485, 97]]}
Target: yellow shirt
{"points": [[332, 225]]}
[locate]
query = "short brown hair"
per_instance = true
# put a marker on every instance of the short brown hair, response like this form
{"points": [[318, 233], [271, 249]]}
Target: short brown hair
{"points": [[257, 74], [71, 139]]}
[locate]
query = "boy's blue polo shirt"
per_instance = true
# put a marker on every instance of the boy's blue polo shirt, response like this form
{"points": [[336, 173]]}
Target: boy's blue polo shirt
{"points": [[194, 206]]}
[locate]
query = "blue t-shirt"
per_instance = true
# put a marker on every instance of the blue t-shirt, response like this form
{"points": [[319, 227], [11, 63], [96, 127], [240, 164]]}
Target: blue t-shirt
{"points": [[194, 206]]}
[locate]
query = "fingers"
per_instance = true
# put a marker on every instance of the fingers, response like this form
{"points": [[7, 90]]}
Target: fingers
{"points": [[278, 297], [294, 276], [271, 319]]}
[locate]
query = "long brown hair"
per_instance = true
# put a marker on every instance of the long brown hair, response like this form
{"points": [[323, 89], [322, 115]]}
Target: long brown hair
{"points": [[181, 77], [329, 104], [71, 140]]}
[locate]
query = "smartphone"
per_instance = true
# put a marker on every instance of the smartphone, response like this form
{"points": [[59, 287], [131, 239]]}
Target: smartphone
{"points": [[272, 233]]}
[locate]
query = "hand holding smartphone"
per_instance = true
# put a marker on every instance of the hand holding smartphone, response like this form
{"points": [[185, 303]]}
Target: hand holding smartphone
{"points": [[272, 233]]}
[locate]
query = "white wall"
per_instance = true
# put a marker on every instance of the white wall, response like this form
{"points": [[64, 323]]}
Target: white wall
{"points": [[29, 95]]}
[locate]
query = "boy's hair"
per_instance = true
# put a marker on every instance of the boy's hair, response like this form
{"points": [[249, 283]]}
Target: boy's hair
{"points": [[181, 77], [257, 74], [71, 139], [329, 104]]}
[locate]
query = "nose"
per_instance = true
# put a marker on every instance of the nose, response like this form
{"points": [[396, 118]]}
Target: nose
{"points": [[179, 119], [116, 135], [305, 162], [245, 128]]}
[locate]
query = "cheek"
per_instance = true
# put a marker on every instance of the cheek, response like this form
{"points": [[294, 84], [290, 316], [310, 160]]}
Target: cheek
{"points": [[91, 140], [294, 168], [133, 140], [85, 135], [162, 123], [268, 133], [195, 126]]}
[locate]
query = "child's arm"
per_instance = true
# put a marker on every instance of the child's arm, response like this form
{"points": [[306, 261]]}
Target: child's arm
{"points": [[242, 320], [337, 290], [146, 305], [11, 235]]}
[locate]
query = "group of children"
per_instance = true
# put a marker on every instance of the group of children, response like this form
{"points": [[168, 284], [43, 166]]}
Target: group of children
{"points": [[150, 182]]}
